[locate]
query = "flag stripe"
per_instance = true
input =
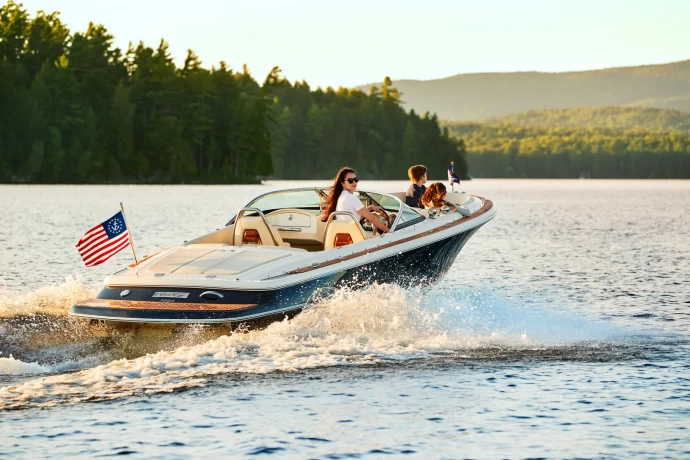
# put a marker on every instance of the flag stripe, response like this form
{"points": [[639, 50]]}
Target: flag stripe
{"points": [[109, 254], [87, 242], [91, 236], [91, 243], [106, 247], [94, 234], [90, 232], [106, 256], [94, 242], [86, 255]]}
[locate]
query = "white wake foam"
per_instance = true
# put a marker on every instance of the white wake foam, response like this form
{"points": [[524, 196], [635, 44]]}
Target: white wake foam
{"points": [[54, 299], [383, 322], [15, 366]]}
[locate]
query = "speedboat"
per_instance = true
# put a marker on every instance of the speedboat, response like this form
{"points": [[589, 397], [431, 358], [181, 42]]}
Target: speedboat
{"points": [[275, 256]]}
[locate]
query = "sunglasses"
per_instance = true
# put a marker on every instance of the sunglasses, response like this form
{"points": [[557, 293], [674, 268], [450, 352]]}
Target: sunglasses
{"points": [[352, 180]]}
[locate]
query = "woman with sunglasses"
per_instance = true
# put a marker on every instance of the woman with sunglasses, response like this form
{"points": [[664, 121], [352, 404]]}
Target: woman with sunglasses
{"points": [[341, 198]]}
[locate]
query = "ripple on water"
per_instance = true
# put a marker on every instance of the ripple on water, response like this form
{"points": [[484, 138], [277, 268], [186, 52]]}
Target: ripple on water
{"points": [[520, 309], [266, 450]]}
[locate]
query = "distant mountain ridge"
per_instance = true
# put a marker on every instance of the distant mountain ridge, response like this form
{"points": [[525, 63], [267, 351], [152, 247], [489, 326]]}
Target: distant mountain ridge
{"points": [[480, 96]]}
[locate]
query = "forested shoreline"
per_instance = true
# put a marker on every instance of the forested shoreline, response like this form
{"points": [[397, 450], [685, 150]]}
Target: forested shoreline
{"points": [[612, 117], [505, 150], [76, 109]]}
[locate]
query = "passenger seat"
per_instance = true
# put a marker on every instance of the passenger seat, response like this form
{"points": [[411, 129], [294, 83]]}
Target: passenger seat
{"points": [[342, 233], [253, 231]]}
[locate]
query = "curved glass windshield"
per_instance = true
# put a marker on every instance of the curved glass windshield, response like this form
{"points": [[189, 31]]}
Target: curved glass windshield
{"points": [[408, 215], [297, 199], [389, 203]]}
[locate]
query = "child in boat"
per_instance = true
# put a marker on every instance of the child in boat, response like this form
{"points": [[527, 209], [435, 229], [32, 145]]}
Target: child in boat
{"points": [[417, 175], [434, 197]]}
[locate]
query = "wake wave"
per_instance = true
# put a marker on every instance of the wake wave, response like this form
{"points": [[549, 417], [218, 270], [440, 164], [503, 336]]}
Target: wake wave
{"points": [[381, 323], [15, 366], [55, 299]]}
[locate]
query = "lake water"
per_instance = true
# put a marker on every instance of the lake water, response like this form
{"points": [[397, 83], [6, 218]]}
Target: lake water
{"points": [[561, 331]]}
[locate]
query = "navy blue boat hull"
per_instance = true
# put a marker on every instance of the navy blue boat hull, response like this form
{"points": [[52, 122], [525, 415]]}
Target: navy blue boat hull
{"points": [[414, 267]]}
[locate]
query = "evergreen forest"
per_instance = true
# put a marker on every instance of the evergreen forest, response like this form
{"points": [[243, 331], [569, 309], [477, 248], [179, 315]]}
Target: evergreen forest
{"points": [[505, 150], [613, 117], [76, 109]]}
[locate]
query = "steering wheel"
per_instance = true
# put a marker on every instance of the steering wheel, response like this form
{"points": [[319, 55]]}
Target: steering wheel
{"points": [[385, 218]]}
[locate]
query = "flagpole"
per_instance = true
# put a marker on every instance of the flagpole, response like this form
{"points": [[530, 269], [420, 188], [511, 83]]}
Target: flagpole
{"points": [[452, 182], [129, 233]]}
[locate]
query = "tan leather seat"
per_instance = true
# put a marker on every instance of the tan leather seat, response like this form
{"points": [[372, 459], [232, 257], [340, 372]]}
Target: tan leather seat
{"points": [[268, 236], [335, 227]]}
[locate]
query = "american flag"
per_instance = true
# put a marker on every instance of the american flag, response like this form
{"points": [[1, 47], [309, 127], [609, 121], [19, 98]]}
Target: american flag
{"points": [[104, 240], [452, 177]]}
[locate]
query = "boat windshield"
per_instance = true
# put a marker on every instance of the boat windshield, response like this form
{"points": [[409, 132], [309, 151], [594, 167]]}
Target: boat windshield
{"points": [[405, 216], [293, 199], [408, 217], [314, 199], [389, 203]]}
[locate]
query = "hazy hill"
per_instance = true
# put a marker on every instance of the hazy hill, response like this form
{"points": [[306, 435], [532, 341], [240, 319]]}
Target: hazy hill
{"points": [[675, 102], [485, 95], [615, 117]]}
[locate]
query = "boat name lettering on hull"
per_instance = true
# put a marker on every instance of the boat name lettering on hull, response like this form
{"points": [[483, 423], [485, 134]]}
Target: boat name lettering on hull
{"points": [[171, 295]]}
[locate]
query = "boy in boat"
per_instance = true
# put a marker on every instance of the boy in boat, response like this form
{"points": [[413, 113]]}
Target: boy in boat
{"points": [[417, 175]]}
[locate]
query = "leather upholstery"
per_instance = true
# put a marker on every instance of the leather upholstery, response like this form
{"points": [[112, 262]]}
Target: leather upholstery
{"points": [[342, 226], [266, 234]]}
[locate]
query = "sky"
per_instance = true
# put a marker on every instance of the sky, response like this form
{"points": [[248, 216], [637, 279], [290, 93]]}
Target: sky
{"points": [[348, 43]]}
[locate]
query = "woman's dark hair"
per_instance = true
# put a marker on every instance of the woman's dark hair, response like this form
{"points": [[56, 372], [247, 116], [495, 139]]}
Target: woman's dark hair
{"points": [[336, 190], [434, 195]]}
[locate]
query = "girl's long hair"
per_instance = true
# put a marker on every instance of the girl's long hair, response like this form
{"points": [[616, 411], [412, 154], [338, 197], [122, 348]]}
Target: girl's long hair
{"points": [[434, 195], [336, 190]]}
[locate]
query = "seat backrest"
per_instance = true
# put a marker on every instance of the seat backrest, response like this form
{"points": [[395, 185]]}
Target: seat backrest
{"points": [[268, 236], [342, 227], [320, 229]]}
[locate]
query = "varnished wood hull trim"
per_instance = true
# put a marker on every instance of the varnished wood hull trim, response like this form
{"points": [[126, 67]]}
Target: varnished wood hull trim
{"points": [[180, 306]]}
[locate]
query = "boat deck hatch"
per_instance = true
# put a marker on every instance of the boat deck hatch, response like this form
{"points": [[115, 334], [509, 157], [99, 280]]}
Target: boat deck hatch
{"points": [[245, 261], [206, 261], [176, 259]]}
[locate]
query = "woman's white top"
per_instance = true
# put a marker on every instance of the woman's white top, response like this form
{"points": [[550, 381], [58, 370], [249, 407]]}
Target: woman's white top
{"points": [[349, 203]]}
